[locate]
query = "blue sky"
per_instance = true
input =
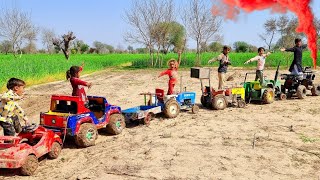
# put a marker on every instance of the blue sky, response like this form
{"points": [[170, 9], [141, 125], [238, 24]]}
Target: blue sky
{"points": [[101, 20]]}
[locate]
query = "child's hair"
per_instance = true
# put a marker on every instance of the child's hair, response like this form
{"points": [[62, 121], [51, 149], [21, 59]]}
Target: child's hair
{"points": [[172, 60], [72, 72], [297, 40], [226, 48], [13, 82], [260, 48]]}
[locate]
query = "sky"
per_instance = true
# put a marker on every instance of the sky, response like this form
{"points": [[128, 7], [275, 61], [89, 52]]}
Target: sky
{"points": [[103, 20]]}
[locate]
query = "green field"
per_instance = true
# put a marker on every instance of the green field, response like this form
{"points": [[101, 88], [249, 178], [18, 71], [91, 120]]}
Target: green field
{"points": [[40, 68]]}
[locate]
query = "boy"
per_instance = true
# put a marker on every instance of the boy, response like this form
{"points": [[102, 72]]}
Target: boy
{"points": [[296, 65], [223, 66], [9, 108], [261, 58], [172, 72]]}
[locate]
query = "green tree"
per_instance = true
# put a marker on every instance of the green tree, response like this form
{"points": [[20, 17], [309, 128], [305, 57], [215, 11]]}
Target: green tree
{"points": [[215, 46], [241, 46], [6, 47]]}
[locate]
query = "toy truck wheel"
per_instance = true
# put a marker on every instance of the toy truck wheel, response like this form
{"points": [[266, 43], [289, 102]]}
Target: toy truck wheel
{"points": [[219, 102], [195, 109], [30, 166], [55, 150], [301, 92], [171, 109], [282, 96], [268, 96], [241, 103], [147, 119], [87, 135], [315, 91], [116, 124]]}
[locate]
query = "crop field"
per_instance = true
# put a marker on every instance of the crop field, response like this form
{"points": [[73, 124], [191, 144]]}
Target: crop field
{"points": [[40, 68]]}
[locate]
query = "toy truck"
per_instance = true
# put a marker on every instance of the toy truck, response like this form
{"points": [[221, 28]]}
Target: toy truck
{"points": [[23, 151], [68, 115]]}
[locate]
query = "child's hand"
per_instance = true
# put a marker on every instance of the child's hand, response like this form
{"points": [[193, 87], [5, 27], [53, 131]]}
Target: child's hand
{"points": [[26, 121], [246, 62], [82, 64], [179, 51], [89, 85], [210, 61]]}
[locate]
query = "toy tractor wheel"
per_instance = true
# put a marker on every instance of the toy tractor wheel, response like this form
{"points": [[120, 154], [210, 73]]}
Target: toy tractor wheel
{"points": [[147, 119], [116, 124], [301, 92], [268, 96], [219, 102], [315, 91], [195, 109], [30, 166], [55, 150], [241, 103], [171, 109], [87, 135], [203, 101], [282, 96]]}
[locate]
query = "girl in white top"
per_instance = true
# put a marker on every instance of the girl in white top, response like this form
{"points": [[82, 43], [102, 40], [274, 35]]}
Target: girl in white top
{"points": [[261, 59]]}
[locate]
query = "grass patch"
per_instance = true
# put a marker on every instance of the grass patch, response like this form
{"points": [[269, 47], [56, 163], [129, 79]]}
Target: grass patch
{"points": [[307, 139]]}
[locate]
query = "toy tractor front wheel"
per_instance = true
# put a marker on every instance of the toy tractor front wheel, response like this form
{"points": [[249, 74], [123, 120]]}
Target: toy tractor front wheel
{"points": [[315, 91], [30, 165], [55, 150], [195, 109], [116, 124], [241, 103], [282, 96], [268, 96], [219, 102], [87, 135], [171, 108], [301, 92]]}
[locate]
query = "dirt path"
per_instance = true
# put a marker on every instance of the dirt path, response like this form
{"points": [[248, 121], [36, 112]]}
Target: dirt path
{"points": [[209, 145]]}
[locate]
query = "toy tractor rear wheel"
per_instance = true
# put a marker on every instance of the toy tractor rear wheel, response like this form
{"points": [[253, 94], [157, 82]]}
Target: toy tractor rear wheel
{"points": [[282, 96], [116, 124], [55, 150], [87, 135], [30, 165], [241, 103], [268, 96], [195, 109], [219, 102], [315, 91], [171, 108], [301, 92]]}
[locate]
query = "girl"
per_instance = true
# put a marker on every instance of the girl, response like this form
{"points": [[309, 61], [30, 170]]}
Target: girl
{"points": [[73, 75], [172, 72]]}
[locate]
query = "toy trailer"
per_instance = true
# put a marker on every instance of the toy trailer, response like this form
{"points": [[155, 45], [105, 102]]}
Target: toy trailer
{"points": [[23, 151]]}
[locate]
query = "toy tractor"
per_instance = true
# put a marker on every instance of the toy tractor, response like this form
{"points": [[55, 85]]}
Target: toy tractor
{"points": [[68, 115], [299, 84], [266, 93], [23, 151], [221, 98]]}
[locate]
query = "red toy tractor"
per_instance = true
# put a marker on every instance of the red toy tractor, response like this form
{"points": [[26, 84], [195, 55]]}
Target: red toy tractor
{"points": [[23, 151]]}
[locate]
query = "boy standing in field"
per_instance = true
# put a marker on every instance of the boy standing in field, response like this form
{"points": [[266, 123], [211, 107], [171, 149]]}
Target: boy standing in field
{"points": [[172, 72], [296, 65], [261, 59], [9, 108], [223, 66]]}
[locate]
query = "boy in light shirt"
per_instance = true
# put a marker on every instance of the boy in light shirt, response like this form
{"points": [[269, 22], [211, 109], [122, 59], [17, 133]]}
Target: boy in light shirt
{"points": [[261, 59]]}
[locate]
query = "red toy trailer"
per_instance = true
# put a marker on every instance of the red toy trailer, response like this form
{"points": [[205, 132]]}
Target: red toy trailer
{"points": [[24, 150]]}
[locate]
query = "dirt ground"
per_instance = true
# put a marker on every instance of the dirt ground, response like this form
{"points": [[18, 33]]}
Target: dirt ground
{"points": [[209, 145]]}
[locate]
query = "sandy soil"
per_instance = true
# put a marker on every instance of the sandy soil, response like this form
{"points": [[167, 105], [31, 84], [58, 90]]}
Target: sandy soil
{"points": [[208, 145]]}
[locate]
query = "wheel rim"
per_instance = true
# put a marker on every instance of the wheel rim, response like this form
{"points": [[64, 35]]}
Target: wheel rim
{"points": [[173, 109], [220, 102], [90, 134], [270, 96], [118, 124]]}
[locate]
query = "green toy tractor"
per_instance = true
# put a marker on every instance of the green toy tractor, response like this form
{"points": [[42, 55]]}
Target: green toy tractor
{"points": [[266, 94]]}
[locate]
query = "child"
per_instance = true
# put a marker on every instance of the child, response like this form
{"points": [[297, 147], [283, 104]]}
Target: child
{"points": [[223, 66], [172, 72], [296, 65], [73, 75], [10, 109], [261, 58]]}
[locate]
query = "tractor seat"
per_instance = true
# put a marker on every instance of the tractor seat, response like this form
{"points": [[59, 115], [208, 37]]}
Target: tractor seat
{"points": [[256, 85], [160, 94]]}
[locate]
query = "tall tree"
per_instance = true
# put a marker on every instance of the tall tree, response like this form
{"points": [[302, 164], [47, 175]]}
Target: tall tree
{"points": [[270, 27], [201, 25], [31, 36], [6, 47], [14, 27], [47, 37], [64, 44]]}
